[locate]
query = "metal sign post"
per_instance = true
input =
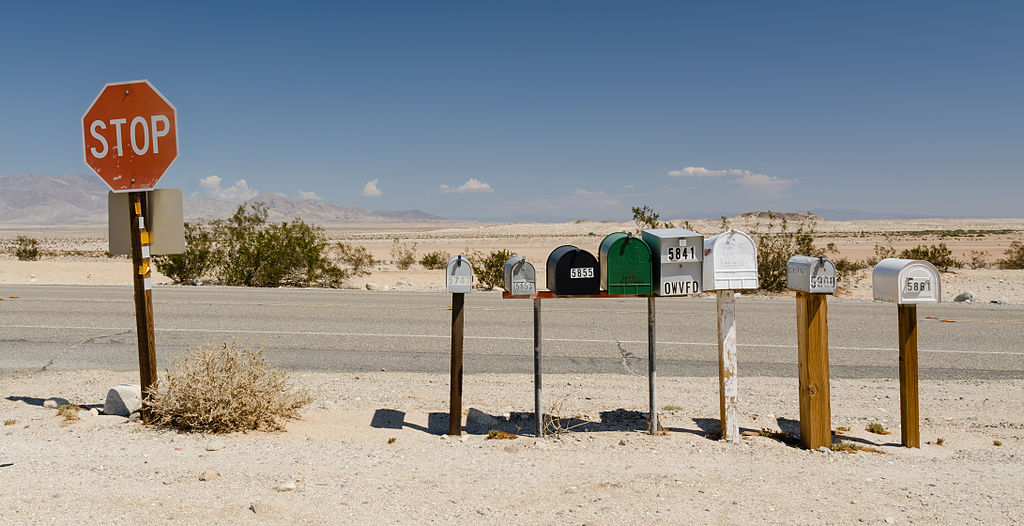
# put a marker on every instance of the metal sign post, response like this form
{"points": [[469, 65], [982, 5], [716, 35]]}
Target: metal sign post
{"points": [[455, 405], [812, 352], [651, 374], [538, 413], [142, 279], [910, 433], [728, 388]]}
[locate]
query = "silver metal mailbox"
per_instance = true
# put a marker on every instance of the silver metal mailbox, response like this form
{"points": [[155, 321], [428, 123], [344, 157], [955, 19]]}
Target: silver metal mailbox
{"points": [[730, 262], [520, 277], [906, 281], [460, 275], [677, 256], [815, 275]]}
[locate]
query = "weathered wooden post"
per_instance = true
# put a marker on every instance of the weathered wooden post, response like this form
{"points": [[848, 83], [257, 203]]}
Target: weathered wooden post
{"points": [[813, 279], [143, 283], [652, 378], [907, 282], [730, 264], [459, 274]]}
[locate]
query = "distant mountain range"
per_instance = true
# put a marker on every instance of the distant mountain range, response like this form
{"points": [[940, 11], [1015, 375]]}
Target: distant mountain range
{"points": [[39, 200]]}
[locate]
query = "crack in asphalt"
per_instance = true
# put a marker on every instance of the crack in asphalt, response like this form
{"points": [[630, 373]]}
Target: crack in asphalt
{"points": [[83, 342]]}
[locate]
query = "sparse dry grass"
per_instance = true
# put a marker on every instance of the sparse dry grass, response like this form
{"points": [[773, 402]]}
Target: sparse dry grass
{"points": [[10, 422], [852, 447], [222, 389], [876, 428], [69, 412], [997, 443], [555, 424], [496, 434]]}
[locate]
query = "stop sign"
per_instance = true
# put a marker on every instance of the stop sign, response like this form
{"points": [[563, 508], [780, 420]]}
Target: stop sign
{"points": [[130, 135]]}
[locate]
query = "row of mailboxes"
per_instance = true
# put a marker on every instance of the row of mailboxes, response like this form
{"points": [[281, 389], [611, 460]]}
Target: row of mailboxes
{"points": [[903, 281], [663, 261], [675, 261]]}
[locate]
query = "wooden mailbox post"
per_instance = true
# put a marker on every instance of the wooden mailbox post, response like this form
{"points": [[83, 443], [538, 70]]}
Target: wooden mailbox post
{"points": [[813, 279], [907, 282]]}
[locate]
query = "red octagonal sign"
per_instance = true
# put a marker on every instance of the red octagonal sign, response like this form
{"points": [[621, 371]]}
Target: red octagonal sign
{"points": [[130, 135]]}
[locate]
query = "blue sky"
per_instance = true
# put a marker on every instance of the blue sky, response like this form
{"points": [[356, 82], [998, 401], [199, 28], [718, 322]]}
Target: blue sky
{"points": [[548, 109]]}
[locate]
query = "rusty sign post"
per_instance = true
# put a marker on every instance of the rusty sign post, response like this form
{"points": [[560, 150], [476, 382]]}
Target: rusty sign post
{"points": [[910, 432], [130, 138]]}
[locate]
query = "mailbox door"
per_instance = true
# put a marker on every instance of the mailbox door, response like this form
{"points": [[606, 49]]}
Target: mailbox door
{"points": [[811, 274], [524, 279], [573, 271], [919, 283], [625, 265], [459, 275], [730, 262], [679, 279]]}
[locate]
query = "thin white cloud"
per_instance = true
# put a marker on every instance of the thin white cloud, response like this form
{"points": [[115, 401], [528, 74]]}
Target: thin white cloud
{"points": [[629, 186], [767, 183], [309, 195], [472, 185], [371, 190], [239, 191]]}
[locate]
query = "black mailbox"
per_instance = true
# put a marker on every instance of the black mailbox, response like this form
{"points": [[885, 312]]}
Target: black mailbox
{"points": [[573, 271]]}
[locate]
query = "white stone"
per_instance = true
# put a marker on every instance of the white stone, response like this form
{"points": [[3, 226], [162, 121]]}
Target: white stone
{"points": [[216, 445], [372, 286], [123, 400], [287, 486], [54, 402]]}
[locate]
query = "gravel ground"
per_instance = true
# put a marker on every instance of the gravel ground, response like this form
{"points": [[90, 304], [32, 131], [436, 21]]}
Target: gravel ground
{"points": [[338, 464]]}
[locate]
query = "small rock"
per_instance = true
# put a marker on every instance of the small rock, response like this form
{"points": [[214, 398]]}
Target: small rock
{"points": [[1001, 300], [570, 489], [402, 283], [824, 449], [209, 475], [135, 417], [54, 403], [123, 399], [372, 286], [964, 297], [479, 421], [85, 414], [286, 486], [259, 506], [622, 442], [889, 520], [216, 445], [94, 412]]}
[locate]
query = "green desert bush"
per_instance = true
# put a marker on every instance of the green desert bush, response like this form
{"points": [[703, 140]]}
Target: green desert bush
{"points": [[220, 389], [939, 255], [248, 251], [489, 270], [356, 260], [198, 260], [26, 248], [776, 244], [1014, 257], [403, 255], [434, 260]]}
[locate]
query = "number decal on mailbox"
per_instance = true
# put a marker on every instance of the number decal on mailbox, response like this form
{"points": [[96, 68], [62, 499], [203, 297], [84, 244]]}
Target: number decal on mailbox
{"points": [[674, 254], [583, 272], [522, 287], [823, 281], [915, 285], [460, 281]]}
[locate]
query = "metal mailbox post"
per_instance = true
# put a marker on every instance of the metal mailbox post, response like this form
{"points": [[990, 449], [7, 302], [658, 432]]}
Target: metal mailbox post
{"points": [[813, 279], [459, 279], [730, 263], [907, 282], [625, 265], [572, 271]]}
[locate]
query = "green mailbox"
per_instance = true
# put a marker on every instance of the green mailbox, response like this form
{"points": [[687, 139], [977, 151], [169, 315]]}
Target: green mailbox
{"points": [[625, 265]]}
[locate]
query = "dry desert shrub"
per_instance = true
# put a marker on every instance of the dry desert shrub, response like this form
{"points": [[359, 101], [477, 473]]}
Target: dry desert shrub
{"points": [[222, 389]]}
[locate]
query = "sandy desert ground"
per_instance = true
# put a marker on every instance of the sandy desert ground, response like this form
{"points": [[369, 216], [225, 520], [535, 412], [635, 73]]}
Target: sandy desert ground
{"points": [[76, 255], [339, 464]]}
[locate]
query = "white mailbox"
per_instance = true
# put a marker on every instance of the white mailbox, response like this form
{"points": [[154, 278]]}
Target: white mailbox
{"points": [[906, 281], [677, 254], [460, 275], [730, 262], [815, 275], [520, 277]]}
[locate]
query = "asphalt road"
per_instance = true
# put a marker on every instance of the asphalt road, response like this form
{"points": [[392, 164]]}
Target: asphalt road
{"points": [[90, 327]]}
